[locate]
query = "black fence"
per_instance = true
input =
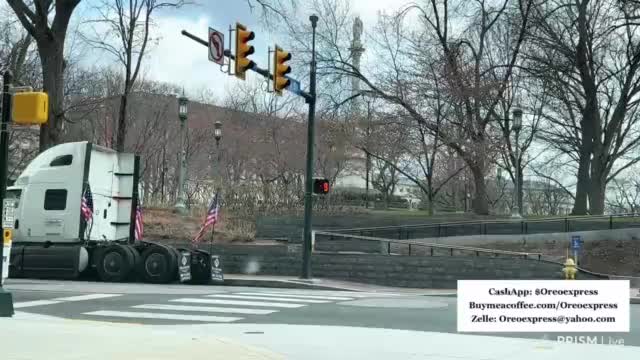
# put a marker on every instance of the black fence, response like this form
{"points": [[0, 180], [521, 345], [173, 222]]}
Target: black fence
{"points": [[498, 227]]}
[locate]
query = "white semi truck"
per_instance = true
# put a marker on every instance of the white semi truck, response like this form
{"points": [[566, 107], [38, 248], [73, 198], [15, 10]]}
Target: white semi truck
{"points": [[52, 239]]}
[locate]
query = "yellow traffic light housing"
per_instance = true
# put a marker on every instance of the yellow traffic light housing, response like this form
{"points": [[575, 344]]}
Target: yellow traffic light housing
{"points": [[280, 69], [243, 49], [30, 108]]}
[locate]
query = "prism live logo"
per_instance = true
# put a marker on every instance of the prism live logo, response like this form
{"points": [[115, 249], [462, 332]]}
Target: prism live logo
{"points": [[583, 339]]}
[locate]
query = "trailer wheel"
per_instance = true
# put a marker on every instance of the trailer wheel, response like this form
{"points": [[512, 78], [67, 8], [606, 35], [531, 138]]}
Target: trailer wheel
{"points": [[159, 264], [114, 263]]}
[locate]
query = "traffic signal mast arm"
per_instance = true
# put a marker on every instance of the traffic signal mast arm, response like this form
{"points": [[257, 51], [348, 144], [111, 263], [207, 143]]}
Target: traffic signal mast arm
{"points": [[255, 68]]}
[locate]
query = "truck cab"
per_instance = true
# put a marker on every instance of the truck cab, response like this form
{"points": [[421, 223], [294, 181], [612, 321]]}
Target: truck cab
{"points": [[55, 236]]}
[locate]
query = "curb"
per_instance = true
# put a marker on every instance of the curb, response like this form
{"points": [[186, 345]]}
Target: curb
{"points": [[442, 295], [279, 284]]}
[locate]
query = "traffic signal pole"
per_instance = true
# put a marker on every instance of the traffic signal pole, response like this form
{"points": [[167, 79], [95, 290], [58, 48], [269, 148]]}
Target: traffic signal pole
{"points": [[308, 193], [310, 99], [6, 300]]}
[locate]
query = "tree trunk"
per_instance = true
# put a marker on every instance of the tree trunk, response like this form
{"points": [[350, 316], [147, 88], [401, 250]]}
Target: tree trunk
{"points": [[479, 203], [589, 113], [597, 187], [122, 122], [584, 166], [52, 61]]}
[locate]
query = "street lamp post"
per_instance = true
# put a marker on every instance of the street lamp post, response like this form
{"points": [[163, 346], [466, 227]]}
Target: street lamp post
{"points": [[517, 125], [217, 174], [368, 158], [217, 134], [181, 206]]}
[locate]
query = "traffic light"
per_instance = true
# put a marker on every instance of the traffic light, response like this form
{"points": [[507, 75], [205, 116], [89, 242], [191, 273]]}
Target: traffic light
{"points": [[30, 108], [280, 69], [321, 186], [243, 49]]}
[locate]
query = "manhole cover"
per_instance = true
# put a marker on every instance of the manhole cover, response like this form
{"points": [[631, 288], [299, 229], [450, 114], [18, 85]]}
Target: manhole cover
{"points": [[398, 303]]}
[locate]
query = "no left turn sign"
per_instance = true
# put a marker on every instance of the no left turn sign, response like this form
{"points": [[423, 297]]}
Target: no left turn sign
{"points": [[216, 46]]}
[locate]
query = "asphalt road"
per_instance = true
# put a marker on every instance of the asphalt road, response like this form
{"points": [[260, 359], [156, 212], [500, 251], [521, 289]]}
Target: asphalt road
{"points": [[183, 305]]}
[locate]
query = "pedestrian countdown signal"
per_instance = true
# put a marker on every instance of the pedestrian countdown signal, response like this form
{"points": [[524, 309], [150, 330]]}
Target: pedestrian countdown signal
{"points": [[321, 186]]}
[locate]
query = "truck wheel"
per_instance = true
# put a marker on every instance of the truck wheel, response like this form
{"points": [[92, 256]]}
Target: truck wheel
{"points": [[114, 263], [159, 264], [136, 260]]}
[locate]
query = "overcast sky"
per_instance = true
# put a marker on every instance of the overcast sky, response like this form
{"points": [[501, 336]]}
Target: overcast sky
{"points": [[182, 61]]}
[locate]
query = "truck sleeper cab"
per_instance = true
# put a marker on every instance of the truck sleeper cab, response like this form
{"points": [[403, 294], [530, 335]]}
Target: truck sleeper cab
{"points": [[54, 239]]}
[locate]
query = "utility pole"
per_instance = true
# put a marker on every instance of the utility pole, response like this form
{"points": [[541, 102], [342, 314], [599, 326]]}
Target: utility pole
{"points": [[308, 196], [6, 300]]}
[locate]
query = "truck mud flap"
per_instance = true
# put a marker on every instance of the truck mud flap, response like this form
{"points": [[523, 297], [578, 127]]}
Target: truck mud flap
{"points": [[200, 267], [184, 265]]}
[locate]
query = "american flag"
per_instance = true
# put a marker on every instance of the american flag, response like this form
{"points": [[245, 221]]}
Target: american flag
{"points": [[86, 207], [139, 223], [211, 219]]}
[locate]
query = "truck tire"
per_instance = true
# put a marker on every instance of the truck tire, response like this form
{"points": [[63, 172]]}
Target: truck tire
{"points": [[136, 261], [114, 263], [158, 264]]}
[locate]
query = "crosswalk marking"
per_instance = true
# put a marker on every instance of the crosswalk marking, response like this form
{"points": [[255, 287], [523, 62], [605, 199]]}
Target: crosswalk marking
{"points": [[338, 298], [25, 304], [283, 299], [163, 316], [205, 309], [238, 302], [87, 297]]}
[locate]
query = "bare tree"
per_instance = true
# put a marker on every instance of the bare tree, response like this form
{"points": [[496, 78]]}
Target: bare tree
{"points": [[49, 33], [589, 52], [130, 22], [473, 66]]}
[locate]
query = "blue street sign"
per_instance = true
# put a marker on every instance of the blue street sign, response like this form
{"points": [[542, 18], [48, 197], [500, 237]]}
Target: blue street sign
{"points": [[576, 242], [294, 86]]}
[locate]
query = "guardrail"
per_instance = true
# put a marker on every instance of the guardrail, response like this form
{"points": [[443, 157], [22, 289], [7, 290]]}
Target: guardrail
{"points": [[499, 227], [387, 243]]}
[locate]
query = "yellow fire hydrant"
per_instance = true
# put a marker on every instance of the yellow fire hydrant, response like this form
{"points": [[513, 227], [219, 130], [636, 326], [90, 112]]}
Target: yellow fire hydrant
{"points": [[569, 269]]}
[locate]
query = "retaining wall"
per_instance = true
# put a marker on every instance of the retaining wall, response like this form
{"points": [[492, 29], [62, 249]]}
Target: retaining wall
{"points": [[402, 271]]}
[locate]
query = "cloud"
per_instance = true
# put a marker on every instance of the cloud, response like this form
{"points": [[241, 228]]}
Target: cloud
{"points": [[179, 60]]}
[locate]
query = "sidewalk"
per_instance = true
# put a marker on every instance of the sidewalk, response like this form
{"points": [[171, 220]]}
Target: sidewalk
{"points": [[62, 339], [37, 337]]}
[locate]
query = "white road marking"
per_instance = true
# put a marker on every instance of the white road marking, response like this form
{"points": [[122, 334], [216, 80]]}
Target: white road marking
{"points": [[237, 302], [25, 304], [150, 315], [297, 296], [59, 300], [87, 297], [283, 299], [205, 309]]}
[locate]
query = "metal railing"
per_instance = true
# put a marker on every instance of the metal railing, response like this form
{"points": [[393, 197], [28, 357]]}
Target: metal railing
{"points": [[498, 227], [387, 244]]}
